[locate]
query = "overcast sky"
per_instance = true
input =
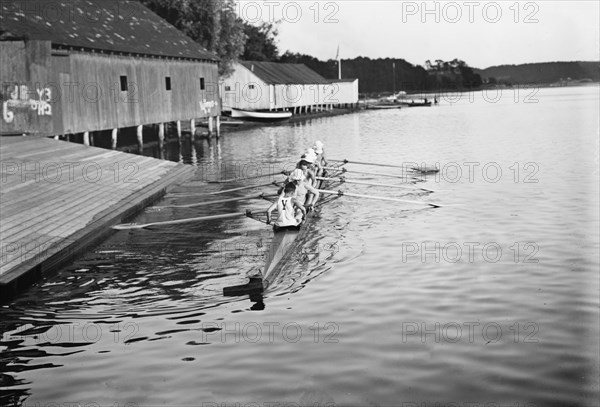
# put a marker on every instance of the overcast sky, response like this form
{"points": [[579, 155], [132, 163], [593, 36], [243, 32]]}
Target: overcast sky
{"points": [[482, 33]]}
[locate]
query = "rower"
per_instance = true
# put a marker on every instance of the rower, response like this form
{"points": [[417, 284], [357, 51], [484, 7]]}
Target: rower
{"points": [[290, 211], [311, 157], [308, 167], [305, 192], [321, 159]]}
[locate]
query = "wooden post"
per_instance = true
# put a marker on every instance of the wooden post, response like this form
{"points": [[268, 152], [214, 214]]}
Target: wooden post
{"points": [[179, 129], [218, 119], [161, 140], [192, 129], [113, 139], [161, 135], [140, 138], [86, 138], [210, 126]]}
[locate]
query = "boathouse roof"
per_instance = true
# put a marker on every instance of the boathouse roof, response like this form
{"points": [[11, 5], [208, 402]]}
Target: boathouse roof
{"points": [[97, 25], [343, 80], [284, 74]]}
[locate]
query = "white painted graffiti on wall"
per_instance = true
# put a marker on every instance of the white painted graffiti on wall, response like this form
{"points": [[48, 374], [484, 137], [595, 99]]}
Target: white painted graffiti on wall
{"points": [[207, 106], [20, 97]]}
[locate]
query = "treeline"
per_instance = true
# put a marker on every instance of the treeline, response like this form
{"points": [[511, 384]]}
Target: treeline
{"points": [[541, 73], [393, 74]]}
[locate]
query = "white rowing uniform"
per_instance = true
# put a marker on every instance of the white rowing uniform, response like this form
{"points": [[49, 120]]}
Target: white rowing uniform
{"points": [[301, 191], [285, 209]]}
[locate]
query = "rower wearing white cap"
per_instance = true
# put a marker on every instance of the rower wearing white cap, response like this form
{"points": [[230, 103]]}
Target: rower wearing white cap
{"points": [[305, 192], [306, 164], [321, 159]]}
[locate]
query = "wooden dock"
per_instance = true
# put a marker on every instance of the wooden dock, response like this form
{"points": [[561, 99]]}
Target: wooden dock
{"points": [[58, 198]]}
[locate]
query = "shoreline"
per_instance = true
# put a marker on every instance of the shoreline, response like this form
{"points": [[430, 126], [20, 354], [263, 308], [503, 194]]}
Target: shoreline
{"points": [[245, 125]]}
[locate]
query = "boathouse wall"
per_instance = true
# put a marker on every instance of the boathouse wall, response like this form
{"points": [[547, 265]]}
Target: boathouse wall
{"points": [[345, 91], [244, 90], [25, 95], [296, 95], [52, 91], [117, 91]]}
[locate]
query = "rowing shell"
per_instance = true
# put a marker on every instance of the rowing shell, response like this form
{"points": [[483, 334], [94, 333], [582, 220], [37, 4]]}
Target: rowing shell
{"points": [[285, 243]]}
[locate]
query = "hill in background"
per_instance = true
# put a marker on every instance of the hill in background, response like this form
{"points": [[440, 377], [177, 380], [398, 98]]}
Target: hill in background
{"points": [[542, 73]]}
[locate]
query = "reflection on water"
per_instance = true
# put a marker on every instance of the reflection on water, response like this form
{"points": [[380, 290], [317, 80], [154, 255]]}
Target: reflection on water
{"points": [[492, 301]]}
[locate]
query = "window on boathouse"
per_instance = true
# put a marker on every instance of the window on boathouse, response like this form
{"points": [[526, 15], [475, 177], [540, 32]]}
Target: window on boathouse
{"points": [[123, 79], [167, 82], [201, 83]]}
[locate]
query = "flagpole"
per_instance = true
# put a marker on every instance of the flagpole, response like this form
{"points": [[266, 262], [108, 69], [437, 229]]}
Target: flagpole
{"points": [[394, 76], [339, 63]]}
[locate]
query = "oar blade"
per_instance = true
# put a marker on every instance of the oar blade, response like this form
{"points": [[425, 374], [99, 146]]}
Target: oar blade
{"points": [[127, 226]]}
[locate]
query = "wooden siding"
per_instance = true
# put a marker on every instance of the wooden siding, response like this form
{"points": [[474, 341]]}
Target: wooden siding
{"points": [[240, 95], [26, 97], [100, 104], [345, 92], [59, 196], [290, 96], [61, 91]]}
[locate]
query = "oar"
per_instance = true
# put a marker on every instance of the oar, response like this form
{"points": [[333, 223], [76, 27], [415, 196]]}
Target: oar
{"points": [[377, 174], [125, 226], [342, 179], [423, 170], [381, 198], [246, 178], [239, 198], [224, 191]]}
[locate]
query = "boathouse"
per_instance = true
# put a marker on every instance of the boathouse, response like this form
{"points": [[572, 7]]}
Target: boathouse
{"points": [[83, 66], [257, 85], [346, 92]]}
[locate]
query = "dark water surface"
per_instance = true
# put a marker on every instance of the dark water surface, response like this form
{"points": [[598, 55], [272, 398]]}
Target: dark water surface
{"points": [[387, 304]]}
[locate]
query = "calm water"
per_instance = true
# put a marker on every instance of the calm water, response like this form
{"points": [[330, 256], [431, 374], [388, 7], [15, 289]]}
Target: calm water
{"points": [[494, 300]]}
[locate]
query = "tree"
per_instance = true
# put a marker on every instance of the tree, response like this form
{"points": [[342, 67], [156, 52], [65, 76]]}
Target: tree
{"points": [[261, 42], [455, 74], [212, 23]]}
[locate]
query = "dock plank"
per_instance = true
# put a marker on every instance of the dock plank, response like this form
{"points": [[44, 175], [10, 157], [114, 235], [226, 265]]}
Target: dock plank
{"points": [[45, 223]]}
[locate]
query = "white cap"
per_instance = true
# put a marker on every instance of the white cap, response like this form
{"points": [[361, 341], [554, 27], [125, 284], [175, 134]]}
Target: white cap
{"points": [[318, 147], [297, 175], [309, 158]]}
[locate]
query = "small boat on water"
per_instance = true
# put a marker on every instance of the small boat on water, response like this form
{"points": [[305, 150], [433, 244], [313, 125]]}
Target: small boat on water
{"points": [[412, 103], [415, 102], [259, 116], [384, 106]]}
